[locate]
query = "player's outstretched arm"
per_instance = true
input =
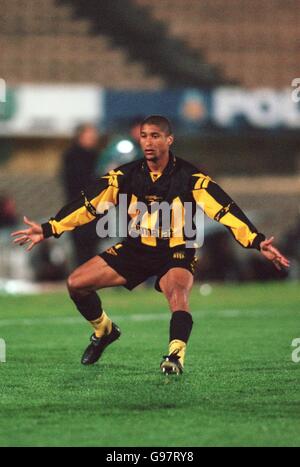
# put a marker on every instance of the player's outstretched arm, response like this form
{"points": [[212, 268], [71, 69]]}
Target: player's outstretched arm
{"points": [[273, 254], [33, 235]]}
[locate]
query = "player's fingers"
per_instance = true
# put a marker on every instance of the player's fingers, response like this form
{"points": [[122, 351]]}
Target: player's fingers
{"points": [[274, 250], [277, 265], [20, 239], [28, 222], [268, 241], [280, 261], [19, 232], [30, 246], [280, 257], [27, 240], [283, 257], [285, 262]]}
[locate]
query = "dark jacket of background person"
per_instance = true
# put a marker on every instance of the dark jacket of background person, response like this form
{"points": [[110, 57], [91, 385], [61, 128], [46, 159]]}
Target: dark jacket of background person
{"points": [[8, 215], [78, 173], [78, 170]]}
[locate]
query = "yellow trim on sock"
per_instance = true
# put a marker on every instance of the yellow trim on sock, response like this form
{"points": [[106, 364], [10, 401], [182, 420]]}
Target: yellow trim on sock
{"points": [[179, 347], [102, 325]]}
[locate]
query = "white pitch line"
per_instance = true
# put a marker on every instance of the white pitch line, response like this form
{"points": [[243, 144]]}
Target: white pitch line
{"points": [[229, 313], [77, 320]]}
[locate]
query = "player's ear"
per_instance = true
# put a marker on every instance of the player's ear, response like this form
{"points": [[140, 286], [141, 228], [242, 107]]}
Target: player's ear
{"points": [[170, 140]]}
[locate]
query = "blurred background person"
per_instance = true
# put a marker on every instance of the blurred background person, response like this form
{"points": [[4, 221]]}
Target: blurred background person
{"points": [[49, 263], [8, 213], [78, 173]]}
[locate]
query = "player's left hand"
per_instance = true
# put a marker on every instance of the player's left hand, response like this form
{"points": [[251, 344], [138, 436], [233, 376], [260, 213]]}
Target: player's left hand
{"points": [[32, 236], [273, 254]]}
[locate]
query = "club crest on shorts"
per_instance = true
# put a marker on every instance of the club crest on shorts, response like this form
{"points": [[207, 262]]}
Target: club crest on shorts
{"points": [[179, 255]]}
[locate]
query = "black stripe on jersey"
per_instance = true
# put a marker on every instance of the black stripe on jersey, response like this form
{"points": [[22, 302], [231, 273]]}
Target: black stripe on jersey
{"points": [[222, 212], [69, 208], [89, 205], [228, 205], [84, 200]]}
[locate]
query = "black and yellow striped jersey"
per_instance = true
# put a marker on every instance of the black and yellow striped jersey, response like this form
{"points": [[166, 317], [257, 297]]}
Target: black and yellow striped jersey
{"points": [[180, 183]]}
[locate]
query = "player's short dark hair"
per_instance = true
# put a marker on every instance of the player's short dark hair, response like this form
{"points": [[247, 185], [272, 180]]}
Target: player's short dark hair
{"points": [[162, 122]]}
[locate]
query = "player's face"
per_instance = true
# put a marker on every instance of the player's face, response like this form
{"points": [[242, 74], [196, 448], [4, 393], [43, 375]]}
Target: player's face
{"points": [[154, 142]]}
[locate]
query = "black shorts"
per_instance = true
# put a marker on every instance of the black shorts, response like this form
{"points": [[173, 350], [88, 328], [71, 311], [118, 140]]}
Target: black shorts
{"points": [[137, 264]]}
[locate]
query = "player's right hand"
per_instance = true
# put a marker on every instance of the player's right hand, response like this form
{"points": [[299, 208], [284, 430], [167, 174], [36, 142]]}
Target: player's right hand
{"points": [[273, 254], [33, 235]]}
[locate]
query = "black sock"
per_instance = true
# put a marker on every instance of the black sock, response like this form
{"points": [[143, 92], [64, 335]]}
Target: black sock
{"points": [[89, 306], [181, 325]]}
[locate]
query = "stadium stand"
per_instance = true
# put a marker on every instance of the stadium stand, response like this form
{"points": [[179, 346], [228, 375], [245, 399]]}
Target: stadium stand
{"points": [[254, 42], [163, 42], [43, 42], [147, 40]]}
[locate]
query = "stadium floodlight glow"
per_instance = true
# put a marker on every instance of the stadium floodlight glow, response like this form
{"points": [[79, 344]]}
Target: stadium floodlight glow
{"points": [[125, 146], [2, 351]]}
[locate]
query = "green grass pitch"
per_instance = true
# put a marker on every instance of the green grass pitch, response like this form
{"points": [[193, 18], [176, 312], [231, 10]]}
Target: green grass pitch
{"points": [[240, 386]]}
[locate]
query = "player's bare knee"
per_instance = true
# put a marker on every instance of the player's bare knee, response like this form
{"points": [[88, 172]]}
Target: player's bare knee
{"points": [[74, 284], [177, 297]]}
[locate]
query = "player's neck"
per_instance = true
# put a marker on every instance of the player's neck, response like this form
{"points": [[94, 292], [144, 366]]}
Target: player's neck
{"points": [[159, 165]]}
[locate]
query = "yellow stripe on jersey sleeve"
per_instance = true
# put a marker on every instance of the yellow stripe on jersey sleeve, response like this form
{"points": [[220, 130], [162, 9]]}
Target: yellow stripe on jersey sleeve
{"points": [[240, 230], [221, 211], [82, 215], [208, 203]]}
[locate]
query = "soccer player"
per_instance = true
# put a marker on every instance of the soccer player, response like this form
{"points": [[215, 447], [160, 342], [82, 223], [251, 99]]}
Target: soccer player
{"points": [[159, 176]]}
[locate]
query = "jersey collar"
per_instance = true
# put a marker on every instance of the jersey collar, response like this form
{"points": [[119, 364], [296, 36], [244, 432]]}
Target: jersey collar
{"points": [[169, 167]]}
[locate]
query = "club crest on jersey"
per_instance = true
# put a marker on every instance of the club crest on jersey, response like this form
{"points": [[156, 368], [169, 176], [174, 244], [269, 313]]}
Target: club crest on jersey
{"points": [[113, 178]]}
